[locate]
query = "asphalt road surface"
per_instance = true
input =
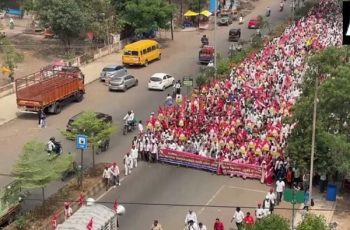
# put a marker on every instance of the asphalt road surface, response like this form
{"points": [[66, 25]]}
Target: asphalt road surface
{"points": [[149, 183]]}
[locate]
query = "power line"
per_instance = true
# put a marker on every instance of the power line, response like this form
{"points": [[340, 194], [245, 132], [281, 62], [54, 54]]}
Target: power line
{"points": [[187, 205]]}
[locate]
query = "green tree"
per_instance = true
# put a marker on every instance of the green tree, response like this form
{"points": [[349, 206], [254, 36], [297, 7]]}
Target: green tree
{"points": [[66, 18], [10, 56], [97, 130], [144, 15], [201, 80], [272, 222], [332, 148], [35, 169], [312, 221]]}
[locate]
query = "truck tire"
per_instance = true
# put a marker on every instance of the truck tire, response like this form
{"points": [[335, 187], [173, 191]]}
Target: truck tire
{"points": [[57, 108], [79, 96]]}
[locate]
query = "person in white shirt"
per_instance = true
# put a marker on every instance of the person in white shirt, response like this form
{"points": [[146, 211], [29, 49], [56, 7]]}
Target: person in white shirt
{"points": [[154, 153], [191, 225], [114, 174], [267, 206], [190, 216], [67, 210], [201, 226], [280, 185], [259, 213], [272, 196], [140, 127], [127, 163], [238, 216], [134, 155], [106, 176]]}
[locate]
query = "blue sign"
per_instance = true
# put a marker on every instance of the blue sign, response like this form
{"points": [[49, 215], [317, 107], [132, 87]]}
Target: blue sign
{"points": [[81, 142]]}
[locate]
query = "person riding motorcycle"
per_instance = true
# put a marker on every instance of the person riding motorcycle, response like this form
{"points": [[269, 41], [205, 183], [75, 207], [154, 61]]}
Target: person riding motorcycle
{"points": [[53, 146], [268, 11], [241, 19], [204, 40], [281, 5], [129, 118]]}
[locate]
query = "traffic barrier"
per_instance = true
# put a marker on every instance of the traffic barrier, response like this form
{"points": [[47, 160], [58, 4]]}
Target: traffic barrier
{"points": [[191, 160]]}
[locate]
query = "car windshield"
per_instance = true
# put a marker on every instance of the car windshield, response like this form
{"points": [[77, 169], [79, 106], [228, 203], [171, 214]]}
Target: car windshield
{"points": [[108, 69], [130, 52], [117, 79], [155, 79]]}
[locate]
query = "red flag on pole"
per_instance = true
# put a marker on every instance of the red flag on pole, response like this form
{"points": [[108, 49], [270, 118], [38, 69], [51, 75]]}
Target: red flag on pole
{"points": [[54, 221], [115, 205], [89, 226], [81, 199]]}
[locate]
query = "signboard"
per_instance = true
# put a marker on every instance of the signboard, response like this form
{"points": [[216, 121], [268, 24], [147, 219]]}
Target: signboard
{"points": [[81, 142], [241, 169], [296, 197], [187, 81]]}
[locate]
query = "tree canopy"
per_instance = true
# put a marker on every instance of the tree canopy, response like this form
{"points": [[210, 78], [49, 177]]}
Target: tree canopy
{"points": [[332, 147], [35, 169], [272, 222], [144, 15], [312, 221], [94, 128]]}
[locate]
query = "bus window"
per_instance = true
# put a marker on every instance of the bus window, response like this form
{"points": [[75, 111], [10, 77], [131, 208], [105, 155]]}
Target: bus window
{"points": [[153, 47], [130, 52], [149, 49], [144, 51]]}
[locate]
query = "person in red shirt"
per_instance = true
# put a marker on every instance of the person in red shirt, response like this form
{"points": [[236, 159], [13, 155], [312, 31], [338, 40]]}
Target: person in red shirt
{"points": [[218, 225], [248, 219]]}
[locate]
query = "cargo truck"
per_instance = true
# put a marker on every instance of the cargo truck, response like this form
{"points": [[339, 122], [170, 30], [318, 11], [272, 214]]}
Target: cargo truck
{"points": [[50, 89]]}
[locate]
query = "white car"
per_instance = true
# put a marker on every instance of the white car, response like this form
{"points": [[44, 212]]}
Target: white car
{"points": [[160, 81]]}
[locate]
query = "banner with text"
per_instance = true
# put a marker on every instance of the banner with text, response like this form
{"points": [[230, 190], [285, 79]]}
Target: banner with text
{"points": [[209, 164]]}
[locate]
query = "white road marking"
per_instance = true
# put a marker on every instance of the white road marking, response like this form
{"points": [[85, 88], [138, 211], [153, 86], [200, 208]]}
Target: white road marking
{"points": [[103, 194], [211, 199], [247, 189]]}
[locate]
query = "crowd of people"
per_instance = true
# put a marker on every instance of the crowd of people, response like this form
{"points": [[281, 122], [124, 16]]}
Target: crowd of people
{"points": [[240, 118]]}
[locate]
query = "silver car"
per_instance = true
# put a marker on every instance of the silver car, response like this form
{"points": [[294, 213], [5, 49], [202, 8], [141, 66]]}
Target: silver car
{"points": [[122, 83], [110, 71]]}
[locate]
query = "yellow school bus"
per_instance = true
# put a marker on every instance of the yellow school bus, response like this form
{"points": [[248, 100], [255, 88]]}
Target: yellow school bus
{"points": [[141, 52]]}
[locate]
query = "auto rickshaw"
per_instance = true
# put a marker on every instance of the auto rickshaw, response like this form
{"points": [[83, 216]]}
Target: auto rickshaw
{"points": [[234, 35]]}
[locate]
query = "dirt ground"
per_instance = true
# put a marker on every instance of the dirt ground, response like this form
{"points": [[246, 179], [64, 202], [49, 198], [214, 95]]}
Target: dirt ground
{"points": [[342, 211]]}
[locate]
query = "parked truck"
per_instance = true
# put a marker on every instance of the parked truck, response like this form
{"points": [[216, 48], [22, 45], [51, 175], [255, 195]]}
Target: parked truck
{"points": [[50, 89]]}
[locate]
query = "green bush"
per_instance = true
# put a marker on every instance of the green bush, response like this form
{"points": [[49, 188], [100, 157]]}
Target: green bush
{"points": [[223, 66], [312, 221], [272, 222]]}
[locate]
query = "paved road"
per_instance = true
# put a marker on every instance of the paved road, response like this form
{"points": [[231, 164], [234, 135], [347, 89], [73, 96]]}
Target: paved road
{"points": [[180, 59]]}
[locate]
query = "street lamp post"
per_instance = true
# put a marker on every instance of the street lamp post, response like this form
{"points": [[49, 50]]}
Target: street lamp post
{"points": [[215, 50], [313, 138]]}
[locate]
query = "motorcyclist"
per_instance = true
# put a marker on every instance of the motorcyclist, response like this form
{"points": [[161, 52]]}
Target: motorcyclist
{"points": [[169, 100], [129, 118], [204, 40], [258, 32], [281, 5], [268, 11], [241, 19], [53, 146]]}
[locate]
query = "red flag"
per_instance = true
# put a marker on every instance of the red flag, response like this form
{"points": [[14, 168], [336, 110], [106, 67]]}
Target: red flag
{"points": [[81, 199], [115, 205], [54, 221], [89, 226]]}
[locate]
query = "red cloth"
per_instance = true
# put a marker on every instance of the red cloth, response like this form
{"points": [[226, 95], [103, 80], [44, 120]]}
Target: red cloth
{"points": [[89, 225], [54, 221], [81, 199], [219, 226]]}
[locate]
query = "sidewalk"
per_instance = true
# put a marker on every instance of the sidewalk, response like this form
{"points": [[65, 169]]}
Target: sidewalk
{"points": [[8, 106]]}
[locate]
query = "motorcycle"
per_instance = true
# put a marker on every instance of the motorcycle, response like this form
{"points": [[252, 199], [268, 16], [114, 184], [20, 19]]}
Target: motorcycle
{"points": [[129, 127], [205, 42], [57, 148]]}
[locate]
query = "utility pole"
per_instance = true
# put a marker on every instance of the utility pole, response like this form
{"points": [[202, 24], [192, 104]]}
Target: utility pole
{"points": [[171, 24], [215, 50], [293, 8], [313, 138], [199, 11]]}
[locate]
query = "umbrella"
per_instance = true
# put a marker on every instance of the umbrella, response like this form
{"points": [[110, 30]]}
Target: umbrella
{"points": [[190, 13], [206, 13], [5, 69]]}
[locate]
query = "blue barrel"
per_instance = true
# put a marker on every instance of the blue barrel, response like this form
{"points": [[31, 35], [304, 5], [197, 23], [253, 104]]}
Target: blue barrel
{"points": [[331, 192]]}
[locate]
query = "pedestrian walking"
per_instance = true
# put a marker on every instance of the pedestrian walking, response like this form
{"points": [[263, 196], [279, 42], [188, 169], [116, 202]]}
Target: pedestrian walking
{"points": [[218, 225], [67, 210], [272, 197], [267, 206], [280, 185], [39, 117], [114, 174], [127, 163], [42, 119], [156, 225], [259, 213], [238, 216], [191, 225], [106, 176], [134, 156], [154, 152], [140, 127], [148, 150], [190, 216], [323, 182]]}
